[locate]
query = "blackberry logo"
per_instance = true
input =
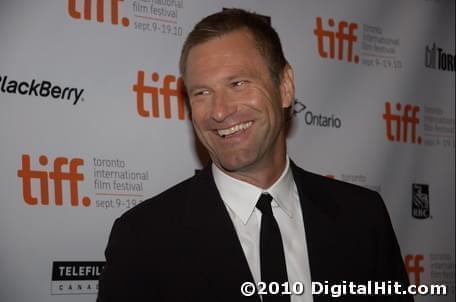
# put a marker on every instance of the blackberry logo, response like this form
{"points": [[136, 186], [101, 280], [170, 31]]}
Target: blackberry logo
{"points": [[42, 89], [420, 201]]}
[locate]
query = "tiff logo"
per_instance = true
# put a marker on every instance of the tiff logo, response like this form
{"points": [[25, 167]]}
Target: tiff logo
{"points": [[56, 175], [76, 8], [413, 266], [344, 39], [165, 91], [398, 124]]}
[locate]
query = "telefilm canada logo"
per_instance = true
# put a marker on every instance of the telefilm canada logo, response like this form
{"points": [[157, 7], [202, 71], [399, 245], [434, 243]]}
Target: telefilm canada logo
{"points": [[75, 277], [41, 88], [420, 201], [438, 58], [316, 119]]}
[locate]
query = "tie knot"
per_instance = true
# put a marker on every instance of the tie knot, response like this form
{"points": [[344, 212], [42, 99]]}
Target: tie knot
{"points": [[264, 204]]}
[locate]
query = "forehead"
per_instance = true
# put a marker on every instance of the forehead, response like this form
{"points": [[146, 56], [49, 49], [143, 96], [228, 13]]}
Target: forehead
{"points": [[235, 51]]}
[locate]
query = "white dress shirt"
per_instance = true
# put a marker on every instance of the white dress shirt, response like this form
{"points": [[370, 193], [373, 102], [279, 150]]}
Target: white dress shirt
{"points": [[240, 199]]}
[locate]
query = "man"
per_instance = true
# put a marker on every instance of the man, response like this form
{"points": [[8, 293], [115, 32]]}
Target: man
{"points": [[203, 238]]}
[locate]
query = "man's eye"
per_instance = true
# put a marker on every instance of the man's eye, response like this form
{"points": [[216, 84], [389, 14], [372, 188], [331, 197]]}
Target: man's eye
{"points": [[237, 83], [201, 92]]}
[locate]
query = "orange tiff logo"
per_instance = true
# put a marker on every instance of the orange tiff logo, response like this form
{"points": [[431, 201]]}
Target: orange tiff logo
{"points": [[413, 266], [164, 91], [338, 41], [56, 175], [398, 124], [76, 8]]}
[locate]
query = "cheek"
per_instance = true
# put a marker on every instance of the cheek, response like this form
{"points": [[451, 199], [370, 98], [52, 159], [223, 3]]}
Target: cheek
{"points": [[253, 100], [262, 98], [197, 126], [197, 115], [200, 126]]}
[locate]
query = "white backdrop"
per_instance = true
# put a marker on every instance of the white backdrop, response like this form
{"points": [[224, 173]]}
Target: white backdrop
{"points": [[81, 141]]}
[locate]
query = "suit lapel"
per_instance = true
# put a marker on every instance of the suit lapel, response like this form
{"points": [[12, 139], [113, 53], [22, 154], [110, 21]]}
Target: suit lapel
{"points": [[216, 252], [214, 241], [319, 212]]}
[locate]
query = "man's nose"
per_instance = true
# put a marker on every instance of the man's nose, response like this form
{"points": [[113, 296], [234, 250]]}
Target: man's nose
{"points": [[222, 107]]}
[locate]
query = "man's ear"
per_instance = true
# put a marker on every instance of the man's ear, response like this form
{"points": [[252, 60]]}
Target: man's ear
{"points": [[287, 87]]}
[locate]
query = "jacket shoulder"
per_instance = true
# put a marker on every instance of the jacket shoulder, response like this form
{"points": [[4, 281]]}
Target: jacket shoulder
{"points": [[336, 192], [320, 182], [163, 204]]}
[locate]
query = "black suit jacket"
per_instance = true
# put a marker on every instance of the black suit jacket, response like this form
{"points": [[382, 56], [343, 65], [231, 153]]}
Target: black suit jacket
{"points": [[182, 246]]}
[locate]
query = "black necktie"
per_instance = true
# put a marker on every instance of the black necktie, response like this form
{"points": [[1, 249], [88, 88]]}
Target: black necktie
{"points": [[272, 257]]}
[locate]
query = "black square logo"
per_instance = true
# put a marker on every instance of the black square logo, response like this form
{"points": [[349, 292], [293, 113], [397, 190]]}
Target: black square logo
{"points": [[420, 201]]}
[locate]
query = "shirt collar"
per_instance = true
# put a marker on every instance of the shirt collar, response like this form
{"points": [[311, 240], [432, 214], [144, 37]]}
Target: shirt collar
{"points": [[241, 197]]}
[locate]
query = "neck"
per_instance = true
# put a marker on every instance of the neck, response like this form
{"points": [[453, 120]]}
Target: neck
{"points": [[263, 178], [265, 172]]}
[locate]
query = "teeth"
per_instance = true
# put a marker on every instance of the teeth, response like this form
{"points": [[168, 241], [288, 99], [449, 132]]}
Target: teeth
{"points": [[234, 129]]}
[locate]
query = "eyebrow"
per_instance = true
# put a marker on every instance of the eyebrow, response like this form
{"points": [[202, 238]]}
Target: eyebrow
{"points": [[196, 87], [242, 73]]}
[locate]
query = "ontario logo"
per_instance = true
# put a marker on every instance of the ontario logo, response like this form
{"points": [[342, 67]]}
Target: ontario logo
{"points": [[76, 277], [420, 201], [60, 175], [401, 123], [149, 97], [312, 118], [40, 88], [337, 43], [83, 9]]}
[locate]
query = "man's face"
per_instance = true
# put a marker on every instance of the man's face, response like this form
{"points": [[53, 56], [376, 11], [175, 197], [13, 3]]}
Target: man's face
{"points": [[237, 110]]}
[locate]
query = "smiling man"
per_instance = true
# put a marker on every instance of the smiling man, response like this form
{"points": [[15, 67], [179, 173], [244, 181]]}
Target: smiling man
{"points": [[237, 109], [252, 215]]}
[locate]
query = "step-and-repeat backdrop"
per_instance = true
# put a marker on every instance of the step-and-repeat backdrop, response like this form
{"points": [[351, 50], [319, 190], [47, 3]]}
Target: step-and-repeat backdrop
{"points": [[93, 122]]}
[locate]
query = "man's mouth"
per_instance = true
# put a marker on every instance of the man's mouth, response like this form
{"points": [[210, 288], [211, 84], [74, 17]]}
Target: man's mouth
{"points": [[234, 129]]}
